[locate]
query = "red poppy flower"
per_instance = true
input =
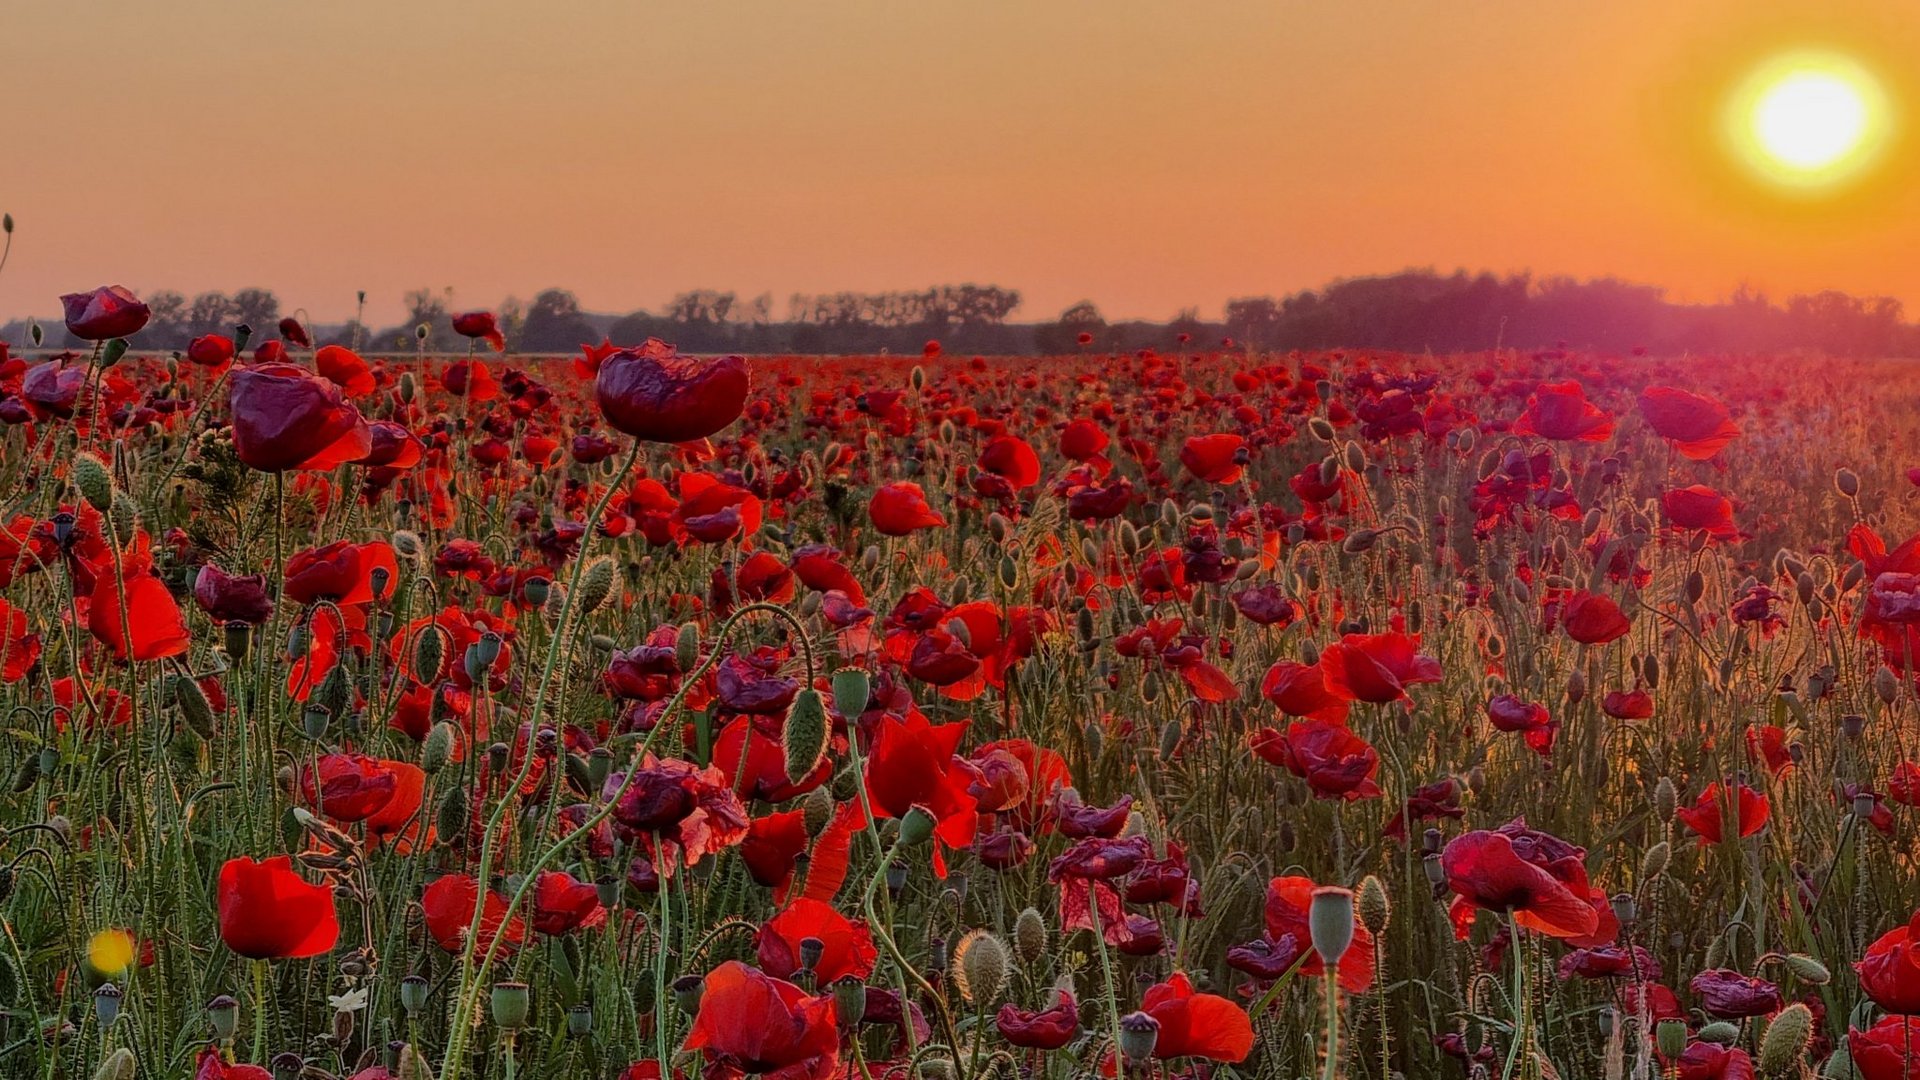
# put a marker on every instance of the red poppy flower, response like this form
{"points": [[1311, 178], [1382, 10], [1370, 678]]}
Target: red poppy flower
{"points": [[912, 764], [1301, 690], [1540, 878], [1703, 817], [751, 1022], [213, 1065], [399, 817], [900, 508], [1885, 1051], [681, 803], [1012, 460], [110, 311], [449, 906], [286, 417], [1561, 411], [1377, 667], [1696, 425], [1712, 1061], [480, 324], [211, 350], [654, 393], [1889, 970], [1045, 1029], [1196, 1025], [846, 947], [1509, 712], [1217, 459], [343, 367], [19, 649], [1634, 704], [353, 787], [1592, 619], [1700, 507], [563, 903], [342, 572], [268, 912], [150, 616], [1335, 763]]}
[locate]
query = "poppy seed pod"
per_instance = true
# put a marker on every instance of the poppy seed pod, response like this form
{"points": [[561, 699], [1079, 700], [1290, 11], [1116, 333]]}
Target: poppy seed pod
{"points": [[223, 1014], [851, 690], [512, 1005], [687, 990], [1624, 908], [916, 827], [1139, 1033], [237, 639], [413, 993], [106, 1004], [1847, 482], [850, 1001], [1330, 922], [1853, 725], [580, 1020], [1670, 1036]]}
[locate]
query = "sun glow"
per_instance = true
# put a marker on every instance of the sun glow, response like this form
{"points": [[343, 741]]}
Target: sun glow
{"points": [[1809, 121]]}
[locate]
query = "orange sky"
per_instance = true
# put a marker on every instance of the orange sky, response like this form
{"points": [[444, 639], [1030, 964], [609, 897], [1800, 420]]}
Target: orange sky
{"points": [[1147, 155]]}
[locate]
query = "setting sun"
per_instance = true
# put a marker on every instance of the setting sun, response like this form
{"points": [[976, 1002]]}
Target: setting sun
{"points": [[1809, 120]]}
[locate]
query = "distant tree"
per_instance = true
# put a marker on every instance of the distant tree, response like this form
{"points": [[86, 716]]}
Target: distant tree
{"points": [[211, 313], [258, 308], [1253, 320], [167, 328], [1063, 336], [554, 324]]}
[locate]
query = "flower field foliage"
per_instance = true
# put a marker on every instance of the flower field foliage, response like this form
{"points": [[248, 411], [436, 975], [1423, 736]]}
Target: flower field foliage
{"points": [[1205, 713]]}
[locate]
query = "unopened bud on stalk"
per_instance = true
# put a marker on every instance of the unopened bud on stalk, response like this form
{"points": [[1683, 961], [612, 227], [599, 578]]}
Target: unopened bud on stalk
{"points": [[1666, 799], [804, 736], [1847, 481], [1030, 937], [981, 966], [596, 584], [92, 479], [1785, 1043], [1720, 1033], [119, 1065], [1808, 970], [1373, 905]]}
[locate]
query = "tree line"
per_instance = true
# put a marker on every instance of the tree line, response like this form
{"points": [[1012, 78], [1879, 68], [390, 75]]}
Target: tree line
{"points": [[1412, 311]]}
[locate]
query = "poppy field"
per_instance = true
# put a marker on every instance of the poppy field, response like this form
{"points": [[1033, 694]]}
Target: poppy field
{"points": [[1192, 713]]}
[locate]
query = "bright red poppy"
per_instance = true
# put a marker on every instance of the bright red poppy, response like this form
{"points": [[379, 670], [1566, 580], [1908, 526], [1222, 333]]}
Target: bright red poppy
{"points": [[268, 912]]}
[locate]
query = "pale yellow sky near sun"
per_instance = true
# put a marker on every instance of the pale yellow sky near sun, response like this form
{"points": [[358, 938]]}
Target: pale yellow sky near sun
{"points": [[1146, 155]]}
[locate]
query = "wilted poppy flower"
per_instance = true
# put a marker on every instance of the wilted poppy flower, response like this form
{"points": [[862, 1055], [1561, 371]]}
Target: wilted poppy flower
{"points": [[1730, 995], [110, 311], [268, 912], [655, 394], [900, 508], [1196, 1025], [285, 417], [752, 1023], [1696, 425], [1335, 763], [1044, 1029], [1539, 878], [232, 598], [1704, 816], [480, 324], [1377, 667]]}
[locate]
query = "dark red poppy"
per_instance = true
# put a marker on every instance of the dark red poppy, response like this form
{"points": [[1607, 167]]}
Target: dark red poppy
{"points": [[211, 350], [653, 393], [900, 508], [286, 417], [1729, 995], [1043, 1029], [1335, 763], [1540, 878], [352, 787], [268, 912], [110, 311], [1510, 712], [232, 598], [1886, 1051], [482, 325], [752, 1023], [1697, 426]]}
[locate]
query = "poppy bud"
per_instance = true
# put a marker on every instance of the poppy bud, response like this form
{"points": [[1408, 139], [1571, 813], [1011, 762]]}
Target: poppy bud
{"points": [[1359, 540], [1322, 428], [413, 993], [1696, 586], [112, 354], [1436, 874], [580, 1020], [816, 811], [36, 334], [437, 748], [1666, 799], [1650, 671], [106, 1004], [428, 653], [6, 224], [1139, 1032], [1886, 685], [119, 1065], [1329, 470], [1785, 1043], [1808, 970], [1096, 739], [1288, 839], [1356, 458], [599, 767], [1656, 861], [512, 1005], [1374, 906], [687, 990], [194, 707], [1852, 725], [1720, 1033], [596, 585], [916, 827], [92, 480], [896, 878], [450, 821], [1477, 780], [1030, 936], [1847, 481]]}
